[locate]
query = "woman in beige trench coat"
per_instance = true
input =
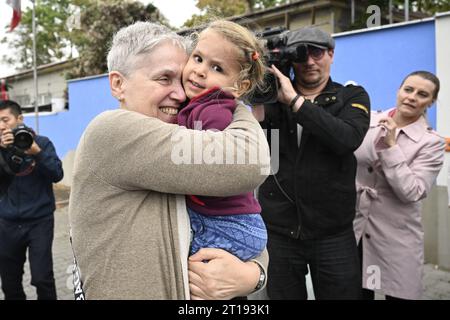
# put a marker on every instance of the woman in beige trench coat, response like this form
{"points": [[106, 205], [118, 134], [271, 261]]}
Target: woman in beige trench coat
{"points": [[398, 163]]}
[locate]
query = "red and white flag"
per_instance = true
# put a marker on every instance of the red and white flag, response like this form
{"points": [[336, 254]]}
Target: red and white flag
{"points": [[17, 13]]}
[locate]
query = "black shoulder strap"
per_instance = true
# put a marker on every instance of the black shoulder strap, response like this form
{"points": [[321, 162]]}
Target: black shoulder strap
{"points": [[77, 283]]}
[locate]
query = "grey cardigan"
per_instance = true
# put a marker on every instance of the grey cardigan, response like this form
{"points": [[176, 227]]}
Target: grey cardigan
{"points": [[130, 233]]}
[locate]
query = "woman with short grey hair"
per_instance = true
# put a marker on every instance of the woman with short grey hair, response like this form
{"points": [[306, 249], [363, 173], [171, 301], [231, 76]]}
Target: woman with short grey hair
{"points": [[135, 41], [130, 229]]}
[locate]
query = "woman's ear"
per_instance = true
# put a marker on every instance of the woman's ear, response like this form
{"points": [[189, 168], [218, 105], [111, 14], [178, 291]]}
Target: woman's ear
{"points": [[116, 83]]}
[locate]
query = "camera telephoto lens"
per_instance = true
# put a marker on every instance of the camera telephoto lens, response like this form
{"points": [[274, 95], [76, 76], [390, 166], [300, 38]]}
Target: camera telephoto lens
{"points": [[23, 137]]}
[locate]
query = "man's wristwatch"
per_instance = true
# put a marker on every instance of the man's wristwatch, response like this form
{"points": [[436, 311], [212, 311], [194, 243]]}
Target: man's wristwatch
{"points": [[262, 278]]}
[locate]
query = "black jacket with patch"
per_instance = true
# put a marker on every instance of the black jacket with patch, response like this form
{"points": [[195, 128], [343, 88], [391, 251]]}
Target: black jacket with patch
{"points": [[313, 195]]}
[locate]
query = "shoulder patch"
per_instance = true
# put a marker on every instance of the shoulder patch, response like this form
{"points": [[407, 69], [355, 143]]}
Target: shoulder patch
{"points": [[360, 106]]}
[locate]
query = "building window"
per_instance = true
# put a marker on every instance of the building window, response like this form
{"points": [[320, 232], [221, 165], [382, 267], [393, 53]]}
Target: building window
{"points": [[23, 100], [46, 103]]}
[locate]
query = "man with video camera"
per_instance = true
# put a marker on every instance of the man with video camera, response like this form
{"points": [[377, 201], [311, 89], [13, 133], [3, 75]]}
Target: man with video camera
{"points": [[28, 168], [309, 204]]}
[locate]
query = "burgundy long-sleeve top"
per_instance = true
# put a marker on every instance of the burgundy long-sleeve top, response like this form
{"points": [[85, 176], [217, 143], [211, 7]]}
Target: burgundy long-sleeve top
{"points": [[213, 110]]}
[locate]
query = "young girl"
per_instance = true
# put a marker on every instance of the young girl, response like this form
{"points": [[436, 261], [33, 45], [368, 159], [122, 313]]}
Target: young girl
{"points": [[225, 64]]}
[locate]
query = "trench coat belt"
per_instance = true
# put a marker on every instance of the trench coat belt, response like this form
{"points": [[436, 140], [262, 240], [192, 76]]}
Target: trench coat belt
{"points": [[366, 195]]}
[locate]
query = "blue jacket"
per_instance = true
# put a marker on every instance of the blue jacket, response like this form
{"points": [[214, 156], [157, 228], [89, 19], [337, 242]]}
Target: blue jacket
{"points": [[30, 195]]}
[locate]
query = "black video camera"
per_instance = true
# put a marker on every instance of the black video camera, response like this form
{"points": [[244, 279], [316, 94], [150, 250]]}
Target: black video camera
{"points": [[23, 137], [282, 56]]}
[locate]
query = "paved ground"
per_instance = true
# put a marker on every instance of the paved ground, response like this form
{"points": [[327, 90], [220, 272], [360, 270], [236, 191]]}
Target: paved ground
{"points": [[437, 282]]}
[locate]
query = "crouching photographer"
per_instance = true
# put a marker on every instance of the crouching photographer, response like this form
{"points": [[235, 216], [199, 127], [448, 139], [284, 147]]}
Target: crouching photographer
{"points": [[29, 167], [309, 204]]}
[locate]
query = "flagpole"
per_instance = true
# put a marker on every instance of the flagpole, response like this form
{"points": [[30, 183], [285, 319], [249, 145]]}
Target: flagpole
{"points": [[36, 104]]}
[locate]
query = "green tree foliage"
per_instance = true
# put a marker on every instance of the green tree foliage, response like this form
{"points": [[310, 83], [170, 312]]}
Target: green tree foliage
{"points": [[52, 35], [211, 9], [424, 6], [98, 22], [431, 6], [428, 7], [264, 4], [88, 33]]}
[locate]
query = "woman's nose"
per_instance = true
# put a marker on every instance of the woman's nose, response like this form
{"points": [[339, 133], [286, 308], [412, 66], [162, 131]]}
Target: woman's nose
{"points": [[178, 93], [411, 96]]}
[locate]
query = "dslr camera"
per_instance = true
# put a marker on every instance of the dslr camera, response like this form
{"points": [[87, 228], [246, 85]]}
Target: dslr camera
{"points": [[280, 54], [23, 137]]}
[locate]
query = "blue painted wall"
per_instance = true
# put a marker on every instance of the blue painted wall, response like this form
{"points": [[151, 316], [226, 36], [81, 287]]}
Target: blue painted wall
{"points": [[380, 59], [87, 98]]}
